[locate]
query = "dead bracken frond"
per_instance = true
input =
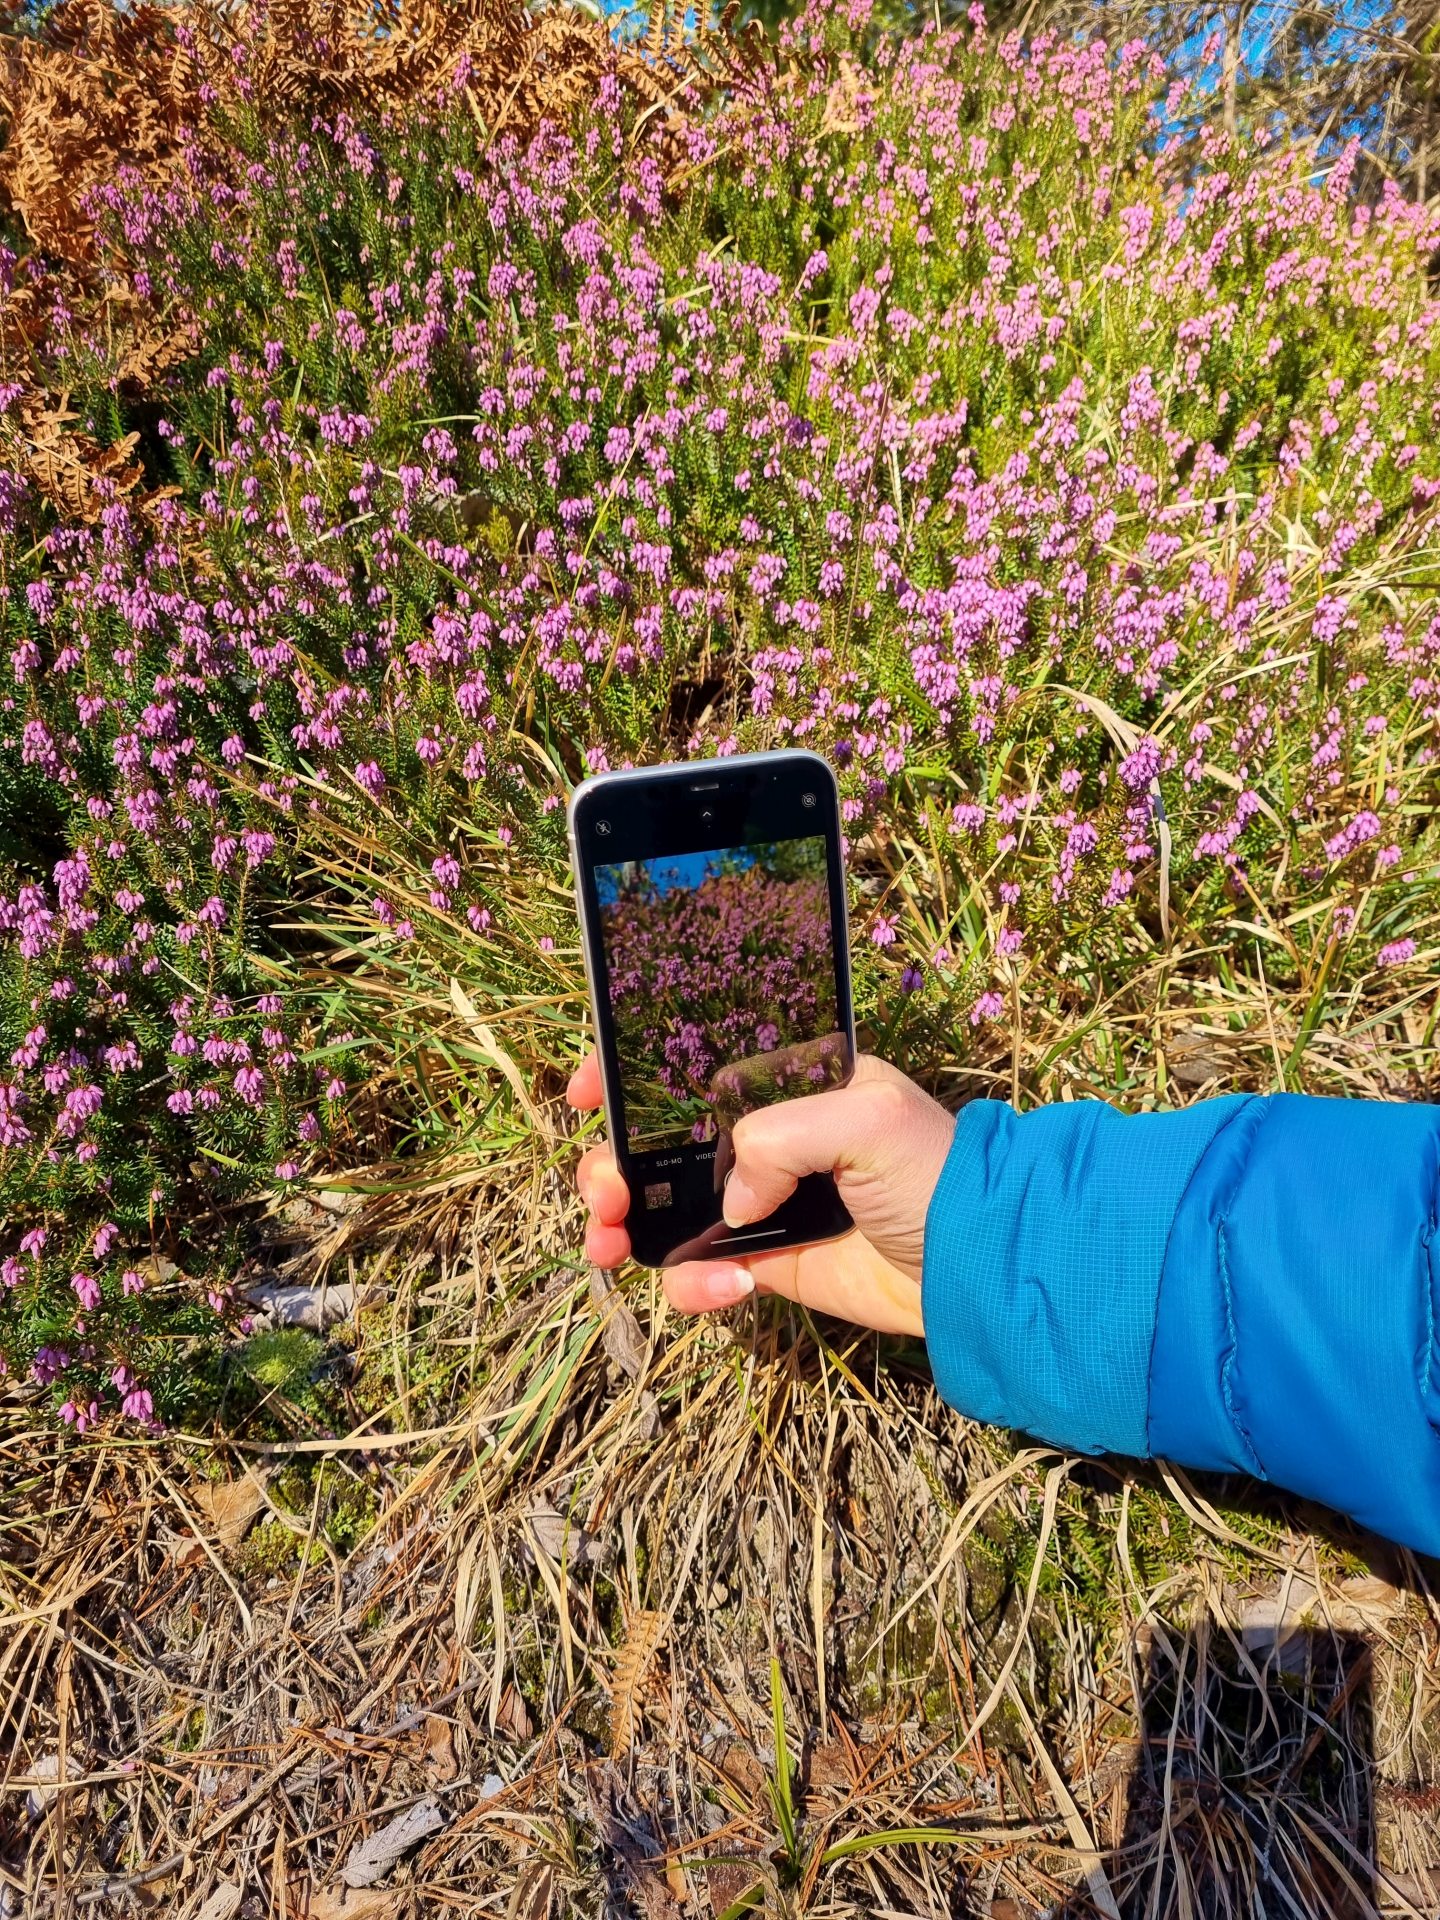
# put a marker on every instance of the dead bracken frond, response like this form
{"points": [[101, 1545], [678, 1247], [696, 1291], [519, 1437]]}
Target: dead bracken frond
{"points": [[73, 471], [632, 1670], [97, 89]]}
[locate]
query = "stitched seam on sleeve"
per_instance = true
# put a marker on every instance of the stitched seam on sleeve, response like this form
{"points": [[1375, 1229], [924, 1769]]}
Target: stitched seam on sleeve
{"points": [[1430, 1281], [1200, 1160], [1232, 1351], [1228, 1364]]}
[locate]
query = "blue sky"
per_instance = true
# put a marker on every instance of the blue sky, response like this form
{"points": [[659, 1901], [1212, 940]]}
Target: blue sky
{"points": [[671, 871]]}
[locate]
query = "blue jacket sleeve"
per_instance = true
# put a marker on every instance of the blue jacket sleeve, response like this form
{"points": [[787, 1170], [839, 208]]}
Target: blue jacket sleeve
{"points": [[1248, 1285]]}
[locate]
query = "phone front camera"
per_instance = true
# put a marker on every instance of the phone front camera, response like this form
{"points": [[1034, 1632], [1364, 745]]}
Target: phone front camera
{"points": [[602, 827]]}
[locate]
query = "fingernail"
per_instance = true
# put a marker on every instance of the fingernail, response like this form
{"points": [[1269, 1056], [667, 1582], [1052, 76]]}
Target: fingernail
{"points": [[727, 1286], [737, 1204]]}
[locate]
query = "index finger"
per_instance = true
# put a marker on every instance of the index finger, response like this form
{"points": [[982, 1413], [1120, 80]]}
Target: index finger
{"points": [[584, 1091]]}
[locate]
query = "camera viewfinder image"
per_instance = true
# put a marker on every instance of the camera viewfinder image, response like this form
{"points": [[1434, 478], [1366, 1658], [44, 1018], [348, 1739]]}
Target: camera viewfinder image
{"points": [[722, 986]]}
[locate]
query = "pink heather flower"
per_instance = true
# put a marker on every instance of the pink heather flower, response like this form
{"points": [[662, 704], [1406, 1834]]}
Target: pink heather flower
{"points": [[13, 1130], [309, 1127], [989, 1006], [82, 1418], [1139, 768], [137, 1405], [369, 776], [288, 1170], [250, 1085], [1365, 826], [232, 751], [912, 979], [11, 1271], [1396, 954], [33, 1242], [87, 1290], [883, 931], [132, 1282], [105, 1238], [47, 1366]]}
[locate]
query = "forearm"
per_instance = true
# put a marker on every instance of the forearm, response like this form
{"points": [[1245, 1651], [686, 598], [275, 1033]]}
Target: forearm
{"points": [[1249, 1284]]}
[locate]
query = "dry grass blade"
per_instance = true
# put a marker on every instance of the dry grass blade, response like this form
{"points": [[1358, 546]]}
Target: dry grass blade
{"points": [[497, 1056]]}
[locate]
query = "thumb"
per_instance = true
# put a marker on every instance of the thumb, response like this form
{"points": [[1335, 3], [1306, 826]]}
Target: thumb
{"points": [[775, 1147]]}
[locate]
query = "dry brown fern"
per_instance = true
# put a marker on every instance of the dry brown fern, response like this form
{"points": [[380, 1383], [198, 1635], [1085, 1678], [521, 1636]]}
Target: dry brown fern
{"points": [[96, 90], [72, 470], [644, 1632]]}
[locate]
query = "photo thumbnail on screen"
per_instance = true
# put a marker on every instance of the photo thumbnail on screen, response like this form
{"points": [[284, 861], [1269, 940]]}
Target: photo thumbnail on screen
{"points": [[722, 985]]}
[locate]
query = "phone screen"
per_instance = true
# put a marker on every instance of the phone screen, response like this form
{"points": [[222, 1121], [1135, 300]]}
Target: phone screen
{"points": [[715, 919]]}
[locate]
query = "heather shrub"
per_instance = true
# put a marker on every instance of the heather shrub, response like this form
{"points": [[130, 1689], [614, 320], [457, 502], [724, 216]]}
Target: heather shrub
{"points": [[1073, 490]]}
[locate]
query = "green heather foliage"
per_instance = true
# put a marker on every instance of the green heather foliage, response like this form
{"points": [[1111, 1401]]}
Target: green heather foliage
{"points": [[1075, 492]]}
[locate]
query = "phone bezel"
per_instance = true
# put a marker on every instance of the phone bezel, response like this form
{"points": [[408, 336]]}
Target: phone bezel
{"points": [[772, 784]]}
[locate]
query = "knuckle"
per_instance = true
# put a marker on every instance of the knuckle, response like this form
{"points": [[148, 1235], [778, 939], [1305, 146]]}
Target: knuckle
{"points": [[890, 1101]]}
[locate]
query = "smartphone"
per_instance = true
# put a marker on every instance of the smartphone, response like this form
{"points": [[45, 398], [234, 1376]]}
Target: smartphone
{"points": [[712, 907]]}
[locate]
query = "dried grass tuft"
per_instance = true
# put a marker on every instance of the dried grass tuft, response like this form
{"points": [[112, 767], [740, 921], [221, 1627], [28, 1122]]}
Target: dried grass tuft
{"points": [[555, 1634]]}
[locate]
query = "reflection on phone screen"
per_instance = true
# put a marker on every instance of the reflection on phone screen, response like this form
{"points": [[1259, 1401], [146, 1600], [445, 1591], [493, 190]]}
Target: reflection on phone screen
{"points": [[722, 988]]}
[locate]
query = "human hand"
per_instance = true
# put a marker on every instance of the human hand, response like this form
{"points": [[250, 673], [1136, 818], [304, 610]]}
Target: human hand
{"points": [[884, 1140]]}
